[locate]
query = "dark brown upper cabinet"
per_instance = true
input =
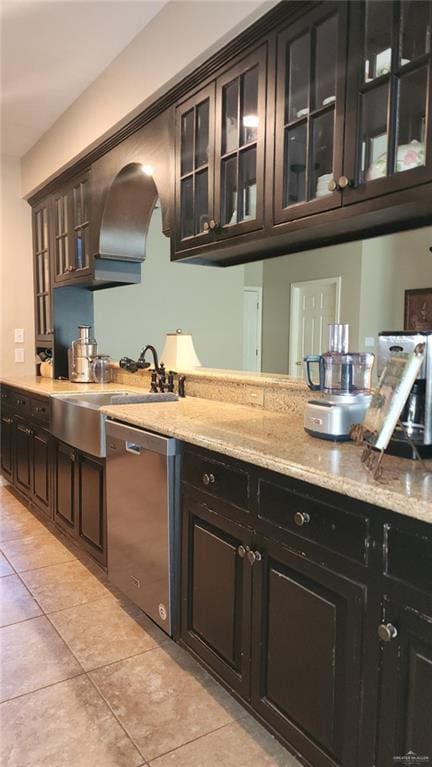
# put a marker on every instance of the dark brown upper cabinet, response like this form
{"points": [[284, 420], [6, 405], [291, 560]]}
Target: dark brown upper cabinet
{"points": [[309, 125], [42, 274], [388, 144], [220, 148], [71, 231]]}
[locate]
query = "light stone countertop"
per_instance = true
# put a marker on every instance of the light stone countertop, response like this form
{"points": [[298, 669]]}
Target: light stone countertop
{"points": [[277, 441], [46, 386]]}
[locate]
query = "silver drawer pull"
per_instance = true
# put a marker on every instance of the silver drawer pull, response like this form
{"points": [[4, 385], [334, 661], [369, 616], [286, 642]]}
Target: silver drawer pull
{"points": [[131, 447], [301, 518], [208, 479]]}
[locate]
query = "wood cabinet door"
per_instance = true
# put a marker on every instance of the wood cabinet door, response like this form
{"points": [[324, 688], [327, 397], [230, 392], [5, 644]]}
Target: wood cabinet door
{"points": [[216, 591], [6, 435], [23, 456], [42, 244], [310, 112], [388, 134], [91, 510], [306, 655], [65, 486], [240, 145], [41, 469], [72, 231], [404, 725]]}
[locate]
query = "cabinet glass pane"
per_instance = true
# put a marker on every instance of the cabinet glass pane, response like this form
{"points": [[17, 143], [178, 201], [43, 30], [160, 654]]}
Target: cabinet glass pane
{"points": [[39, 274], [80, 249], [297, 79], [38, 230], [230, 98], [41, 316], [295, 165], [378, 33], [60, 260], [187, 218], [325, 62], [46, 271], [201, 201], [374, 136], [229, 190], [322, 154], [78, 217], [47, 310], [247, 197], [84, 201], [249, 107], [187, 140], [415, 30], [411, 121], [202, 134]]}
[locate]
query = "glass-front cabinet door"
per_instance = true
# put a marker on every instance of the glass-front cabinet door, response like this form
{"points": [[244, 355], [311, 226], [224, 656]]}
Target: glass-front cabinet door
{"points": [[240, 143], [71, 231], [310, 95], [42, 273], [389, 95], [194, 169]]}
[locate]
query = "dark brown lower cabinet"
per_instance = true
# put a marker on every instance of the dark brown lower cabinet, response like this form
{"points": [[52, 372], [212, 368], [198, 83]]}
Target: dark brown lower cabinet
{"points": [[6, 436], [41, 469], [64, 486], [216, 596], [405, 691], [22, 442], [306, 654], [91, 517], [79, 498]]}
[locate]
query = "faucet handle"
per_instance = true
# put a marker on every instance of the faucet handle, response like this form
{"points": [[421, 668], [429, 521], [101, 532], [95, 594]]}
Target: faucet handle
{"points": [[171, 381], [153, 382], [181, 386]]}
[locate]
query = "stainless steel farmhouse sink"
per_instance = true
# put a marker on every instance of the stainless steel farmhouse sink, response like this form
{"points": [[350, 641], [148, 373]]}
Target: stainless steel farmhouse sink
{"points": [[76, 418]]}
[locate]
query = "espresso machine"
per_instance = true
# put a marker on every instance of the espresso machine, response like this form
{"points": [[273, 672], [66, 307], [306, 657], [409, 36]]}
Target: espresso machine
{"points": [[416, 416], [344, 379], [81, 355]]}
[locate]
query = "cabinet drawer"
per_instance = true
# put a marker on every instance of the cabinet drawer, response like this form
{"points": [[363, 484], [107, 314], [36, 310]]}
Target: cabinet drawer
{"points": [[408, 556], [39, 410], [5, 396], [21, 403], [216, 478], [329, 526]]}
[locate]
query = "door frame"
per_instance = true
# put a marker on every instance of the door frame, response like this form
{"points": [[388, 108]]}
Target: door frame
{"points": [[294, 306], [259, 294]]}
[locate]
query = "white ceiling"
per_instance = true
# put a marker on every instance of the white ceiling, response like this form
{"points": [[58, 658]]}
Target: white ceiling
{"points": [[51, 52]]}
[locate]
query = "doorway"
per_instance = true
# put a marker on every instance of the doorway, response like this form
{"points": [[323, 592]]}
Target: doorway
{"points": [[252, 328], [314, 304]]}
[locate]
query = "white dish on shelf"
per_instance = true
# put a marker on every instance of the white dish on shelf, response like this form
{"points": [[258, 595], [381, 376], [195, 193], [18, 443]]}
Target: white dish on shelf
{"points": [[303, 112], [328, 100], [409, 156]]}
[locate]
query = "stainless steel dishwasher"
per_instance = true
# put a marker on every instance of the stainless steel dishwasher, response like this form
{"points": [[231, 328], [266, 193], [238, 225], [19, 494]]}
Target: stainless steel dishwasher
{"points": [[143, 519]]}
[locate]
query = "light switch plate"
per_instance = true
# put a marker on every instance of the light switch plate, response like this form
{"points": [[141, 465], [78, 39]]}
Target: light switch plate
{"points": [[19, 335], [19, 355]]}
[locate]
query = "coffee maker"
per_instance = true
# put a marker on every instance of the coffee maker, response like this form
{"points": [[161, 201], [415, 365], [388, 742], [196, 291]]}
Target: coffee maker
{"points": [[416, 416], [345, 380]]}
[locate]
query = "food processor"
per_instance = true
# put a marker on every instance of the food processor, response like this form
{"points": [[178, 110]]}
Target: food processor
{"points": [[345, 380]]}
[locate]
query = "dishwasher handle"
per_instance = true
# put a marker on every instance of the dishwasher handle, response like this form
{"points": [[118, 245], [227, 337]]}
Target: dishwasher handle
{"points": [[133, 448]]}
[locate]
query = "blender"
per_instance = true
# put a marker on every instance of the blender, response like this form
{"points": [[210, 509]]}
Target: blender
{"points": [[344, 378]]}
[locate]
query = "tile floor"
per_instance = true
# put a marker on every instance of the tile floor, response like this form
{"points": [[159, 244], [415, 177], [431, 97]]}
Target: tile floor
{"points": [[88, 681]]}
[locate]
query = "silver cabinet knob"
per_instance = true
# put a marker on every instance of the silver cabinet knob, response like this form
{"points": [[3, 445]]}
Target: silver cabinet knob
{"points": [[332, 185], [301, 518], [387, 632], [241, 551], [253, 556], [208, 479]]}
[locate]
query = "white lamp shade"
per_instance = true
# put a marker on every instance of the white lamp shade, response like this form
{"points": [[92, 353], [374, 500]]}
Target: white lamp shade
{"points": [[179, 352]]}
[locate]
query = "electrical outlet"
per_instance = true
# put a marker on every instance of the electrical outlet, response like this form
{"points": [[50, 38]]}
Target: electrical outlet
{"points": [[369, 342], [19, 355], [19, 335]]}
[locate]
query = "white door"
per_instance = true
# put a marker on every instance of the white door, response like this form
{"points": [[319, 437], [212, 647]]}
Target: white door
{"points": [[252, 314], [314, 305]]}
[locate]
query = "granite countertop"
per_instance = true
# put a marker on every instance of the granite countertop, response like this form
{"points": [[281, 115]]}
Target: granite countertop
{"points": [[277, 441], [47, 386]]}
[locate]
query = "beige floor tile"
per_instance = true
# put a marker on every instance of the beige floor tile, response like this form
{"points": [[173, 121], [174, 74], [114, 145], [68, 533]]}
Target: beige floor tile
{"points": [[240, 744], [16, 603], [66, 725], [14, 524], [164, 699], [64, 585], [5, 568], [103, 632], [35, 551], [33, 656]]}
